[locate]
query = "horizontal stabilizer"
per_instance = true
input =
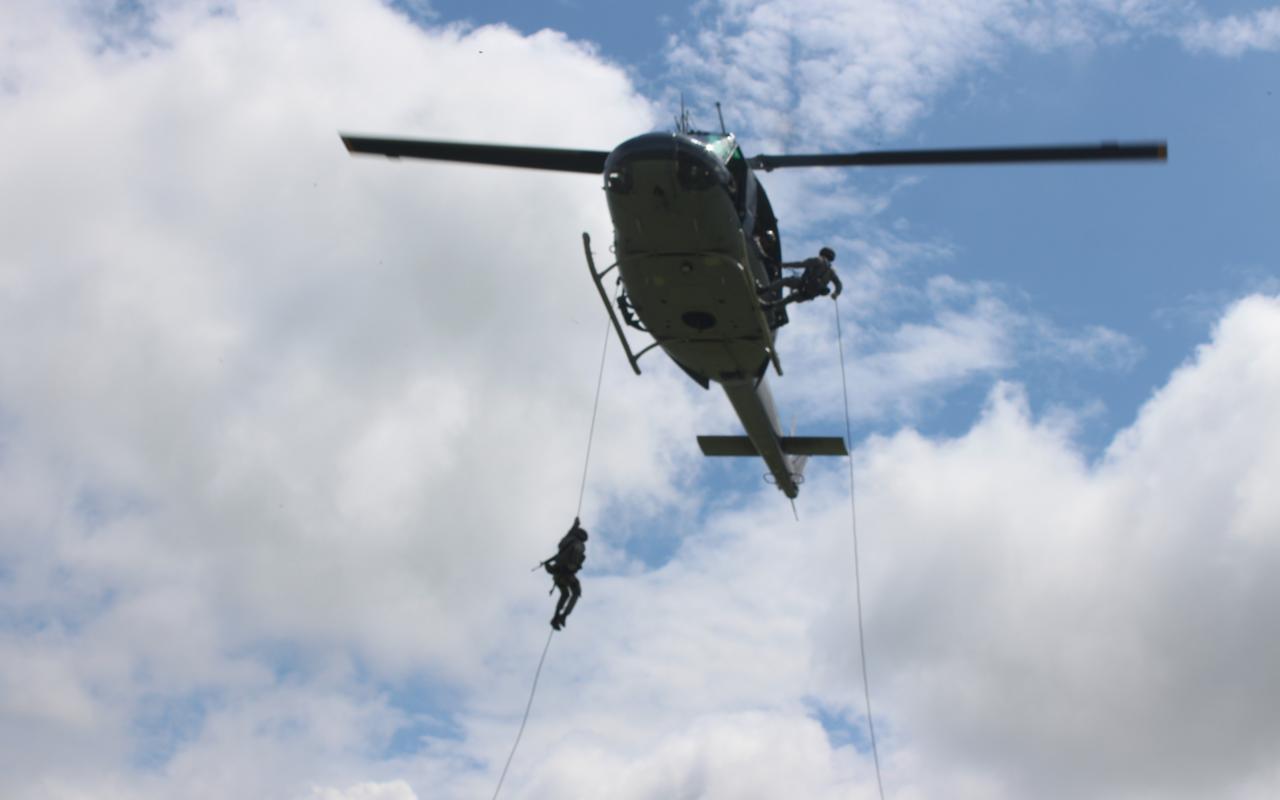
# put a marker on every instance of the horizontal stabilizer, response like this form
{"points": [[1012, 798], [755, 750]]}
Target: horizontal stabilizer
{"points": [[814, 446], [791, 445], [727, 446]]}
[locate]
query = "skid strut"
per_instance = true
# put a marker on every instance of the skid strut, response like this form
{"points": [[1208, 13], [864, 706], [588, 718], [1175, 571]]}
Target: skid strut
{"points": [[598, 278]]}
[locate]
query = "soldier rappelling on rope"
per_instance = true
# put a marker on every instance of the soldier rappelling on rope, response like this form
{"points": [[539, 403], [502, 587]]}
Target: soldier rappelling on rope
{"points": [[563, 568], [815, 279]]}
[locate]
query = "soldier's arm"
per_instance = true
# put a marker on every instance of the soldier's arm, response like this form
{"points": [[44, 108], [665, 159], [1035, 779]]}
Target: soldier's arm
{"points": [[839, 287]]}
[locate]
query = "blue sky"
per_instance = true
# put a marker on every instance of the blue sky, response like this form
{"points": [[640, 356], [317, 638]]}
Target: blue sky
{"points": [[631, 35], [1125, 247], [282, 430]]}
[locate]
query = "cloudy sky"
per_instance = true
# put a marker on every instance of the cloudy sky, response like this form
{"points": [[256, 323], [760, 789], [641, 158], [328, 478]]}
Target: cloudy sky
{"points": [[282, 431]]}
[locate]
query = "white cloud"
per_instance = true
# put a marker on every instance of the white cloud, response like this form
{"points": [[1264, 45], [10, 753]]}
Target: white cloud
{"points": [[1095, 346], [1086, 610], [716, 756], [278, 427], [1232, 36], [393, 790], [257, 393], [848, 72]]}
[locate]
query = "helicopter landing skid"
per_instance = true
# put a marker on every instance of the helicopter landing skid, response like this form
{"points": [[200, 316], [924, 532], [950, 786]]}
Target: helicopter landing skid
{"points": [[598, 278]]}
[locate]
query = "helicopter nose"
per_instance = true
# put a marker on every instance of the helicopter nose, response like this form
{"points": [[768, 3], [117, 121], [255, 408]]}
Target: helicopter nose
{"points": [[695, 166]]}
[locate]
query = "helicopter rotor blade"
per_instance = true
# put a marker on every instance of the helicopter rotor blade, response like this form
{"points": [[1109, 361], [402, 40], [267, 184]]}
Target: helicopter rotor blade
{"points": [[552, 158], [1104, 151]]}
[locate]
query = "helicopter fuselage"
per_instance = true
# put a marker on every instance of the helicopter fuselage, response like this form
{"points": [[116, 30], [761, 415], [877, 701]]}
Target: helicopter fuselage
{"points": [[696, 242]]}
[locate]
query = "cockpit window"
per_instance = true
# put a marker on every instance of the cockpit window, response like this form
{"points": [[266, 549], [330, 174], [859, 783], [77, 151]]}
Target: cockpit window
{"points": [[723, 145]]}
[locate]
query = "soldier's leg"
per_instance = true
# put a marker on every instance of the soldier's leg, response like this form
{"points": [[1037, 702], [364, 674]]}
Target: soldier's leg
{"points": [[575, 591], [803, 293], [791, 282], [563, 586]]}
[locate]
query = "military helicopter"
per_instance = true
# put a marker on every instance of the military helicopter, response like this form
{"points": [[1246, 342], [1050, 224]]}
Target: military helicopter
{"points": [[697, 251]]}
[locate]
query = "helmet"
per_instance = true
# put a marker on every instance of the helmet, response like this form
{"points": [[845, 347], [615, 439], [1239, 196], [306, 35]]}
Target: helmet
{"points": [[582, 533], [827, 253]]}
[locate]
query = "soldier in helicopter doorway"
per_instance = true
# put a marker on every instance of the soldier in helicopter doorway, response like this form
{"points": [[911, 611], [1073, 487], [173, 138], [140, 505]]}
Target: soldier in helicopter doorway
{"points": [[815, 279]]}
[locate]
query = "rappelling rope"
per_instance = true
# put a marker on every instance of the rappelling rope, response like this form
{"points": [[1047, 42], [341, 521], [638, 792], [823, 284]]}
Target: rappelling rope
{"points": [[520, 733], [857, 579], [591, 434], [595, 407]]}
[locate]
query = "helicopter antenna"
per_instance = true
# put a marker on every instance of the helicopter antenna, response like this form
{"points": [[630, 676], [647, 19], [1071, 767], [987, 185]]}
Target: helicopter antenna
{"points": [[720, 114]]}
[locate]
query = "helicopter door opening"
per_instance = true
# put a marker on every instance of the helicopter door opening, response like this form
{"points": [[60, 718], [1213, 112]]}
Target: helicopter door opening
{"points": [[741, 177]]}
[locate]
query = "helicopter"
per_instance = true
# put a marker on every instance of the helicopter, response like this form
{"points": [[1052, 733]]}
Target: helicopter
{"points": [[698, 254]]}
